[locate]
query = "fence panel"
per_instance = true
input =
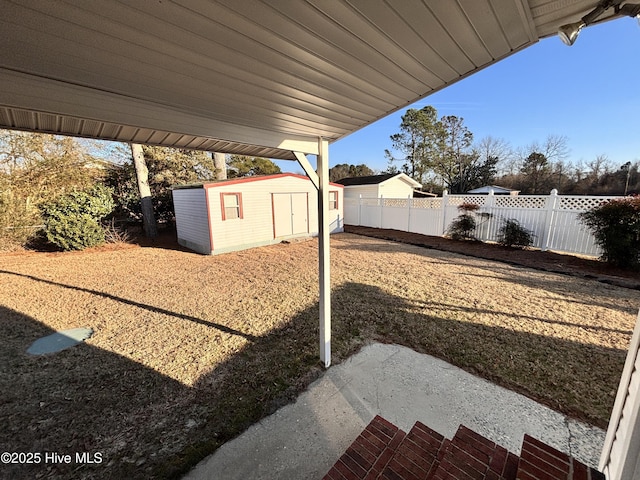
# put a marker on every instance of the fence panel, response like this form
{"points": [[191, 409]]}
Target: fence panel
{"points": [[568, 234], [530, 211], [553, 219], [427, 221], [371, 212], [351, 211]]}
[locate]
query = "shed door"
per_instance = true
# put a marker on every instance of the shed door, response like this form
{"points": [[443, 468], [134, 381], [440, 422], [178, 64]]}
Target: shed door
{"points": [[290, 214]]}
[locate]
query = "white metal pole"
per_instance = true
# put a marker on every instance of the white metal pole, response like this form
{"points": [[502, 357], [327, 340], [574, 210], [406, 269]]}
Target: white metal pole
{"points": [[323, 252]]}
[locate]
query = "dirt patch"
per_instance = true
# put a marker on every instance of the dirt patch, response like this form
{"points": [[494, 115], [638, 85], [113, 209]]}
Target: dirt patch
{"points": [[189, 350]]}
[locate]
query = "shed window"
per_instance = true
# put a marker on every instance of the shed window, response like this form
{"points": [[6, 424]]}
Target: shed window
{"points": [[333, 200], [231, 205]]}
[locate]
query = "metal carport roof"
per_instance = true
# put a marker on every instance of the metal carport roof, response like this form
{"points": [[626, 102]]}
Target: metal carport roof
{"points": [[247, 76]]}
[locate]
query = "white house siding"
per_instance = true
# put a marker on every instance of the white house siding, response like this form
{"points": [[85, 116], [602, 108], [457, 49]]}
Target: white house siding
{"points": [[256, 226], [621, 453], [366, 191], [192, 222], [395, 188]]}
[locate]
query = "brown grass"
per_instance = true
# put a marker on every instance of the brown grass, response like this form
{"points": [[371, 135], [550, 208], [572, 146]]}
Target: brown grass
{"points": [[189, 350]]}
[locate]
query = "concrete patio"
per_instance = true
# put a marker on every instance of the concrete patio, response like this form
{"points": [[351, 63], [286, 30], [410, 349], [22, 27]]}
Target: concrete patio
{"points": [[304, 439]]}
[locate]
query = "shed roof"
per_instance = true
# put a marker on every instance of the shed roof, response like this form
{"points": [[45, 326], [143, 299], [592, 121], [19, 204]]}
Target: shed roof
{"points": [[378, 179], [495, 188], [256, 178]]}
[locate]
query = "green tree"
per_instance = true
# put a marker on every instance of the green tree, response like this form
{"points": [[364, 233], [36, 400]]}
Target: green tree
{"points": [[417, 142], [36, 168], [344, 170], [72, 221], [454, 161], [536, 170], [474, 173], [243, 166], [616, 226]]}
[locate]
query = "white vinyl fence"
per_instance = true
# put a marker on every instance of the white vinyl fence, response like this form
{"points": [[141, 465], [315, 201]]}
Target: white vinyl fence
{"points": [[553, 219]]}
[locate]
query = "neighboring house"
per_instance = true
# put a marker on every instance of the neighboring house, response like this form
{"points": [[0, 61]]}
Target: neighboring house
{"points": [[241, 213], [389, 185], [496, 190]]}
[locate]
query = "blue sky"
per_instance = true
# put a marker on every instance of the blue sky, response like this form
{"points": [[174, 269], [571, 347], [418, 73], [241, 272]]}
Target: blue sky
{"points": [[589, 92]]}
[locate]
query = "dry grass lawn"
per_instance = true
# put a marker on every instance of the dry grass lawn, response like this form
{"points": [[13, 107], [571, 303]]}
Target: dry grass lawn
{"points": [[189, 350]]}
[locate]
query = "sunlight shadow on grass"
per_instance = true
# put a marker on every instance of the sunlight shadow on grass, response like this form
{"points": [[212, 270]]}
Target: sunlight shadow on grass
{"points": [[155, 427], [151, 308]]}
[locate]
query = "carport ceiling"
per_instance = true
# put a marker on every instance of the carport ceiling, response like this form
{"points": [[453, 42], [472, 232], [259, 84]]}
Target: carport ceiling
{"points": [[247, 76]]}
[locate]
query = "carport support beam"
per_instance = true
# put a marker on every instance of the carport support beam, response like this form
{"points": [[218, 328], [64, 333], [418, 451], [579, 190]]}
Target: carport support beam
{"points": [[308, 169], [323, 252]]}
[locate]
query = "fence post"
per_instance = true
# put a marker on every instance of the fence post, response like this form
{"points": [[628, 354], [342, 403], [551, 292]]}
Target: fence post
{"points": [[409, 213], [548, 221], [488, 208], [381, 203], [360, 209], [445, 201]]}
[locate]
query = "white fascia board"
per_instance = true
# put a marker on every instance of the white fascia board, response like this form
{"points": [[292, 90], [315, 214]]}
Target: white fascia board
{"points": [[405, 178], [31, 92]]}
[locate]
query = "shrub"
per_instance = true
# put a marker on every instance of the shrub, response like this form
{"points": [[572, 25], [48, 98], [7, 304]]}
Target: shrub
{"points": [[464, 226], [72, 221], [116, 234], [616, 227], [512, 234]]}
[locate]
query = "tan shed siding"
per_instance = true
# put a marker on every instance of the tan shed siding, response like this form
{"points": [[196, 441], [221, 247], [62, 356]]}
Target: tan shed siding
{"points": [[256, 226], [367, 191], [192, 223], [395, 188], [336, 217]]}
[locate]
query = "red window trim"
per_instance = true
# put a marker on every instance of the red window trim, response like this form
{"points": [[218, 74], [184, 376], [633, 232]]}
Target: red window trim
{"points": [[337, 199], [240, 212]]}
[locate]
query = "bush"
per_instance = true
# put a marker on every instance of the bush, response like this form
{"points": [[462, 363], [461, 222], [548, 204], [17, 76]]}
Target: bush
{"points": [[616, 226], [72, 222], [464, 226], [512, 234]]}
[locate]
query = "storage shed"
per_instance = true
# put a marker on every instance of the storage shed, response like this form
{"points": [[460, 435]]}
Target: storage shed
{"points": [[496, 190], [388, 185], [237, 214]]}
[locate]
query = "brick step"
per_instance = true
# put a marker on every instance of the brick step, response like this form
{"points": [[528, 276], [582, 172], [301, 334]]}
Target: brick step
{"points": [[369, 454], [540, 461], [384, 452], [418, 456], [470, 456]]}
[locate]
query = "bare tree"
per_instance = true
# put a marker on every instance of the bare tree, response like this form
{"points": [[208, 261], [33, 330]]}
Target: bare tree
{"points": [[146, 203], [555, 148], [598, 167], [497, 148], [220, 163]]}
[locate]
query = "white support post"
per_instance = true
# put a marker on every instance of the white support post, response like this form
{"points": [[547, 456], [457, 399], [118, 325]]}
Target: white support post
{"points": [[323, 252]]}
